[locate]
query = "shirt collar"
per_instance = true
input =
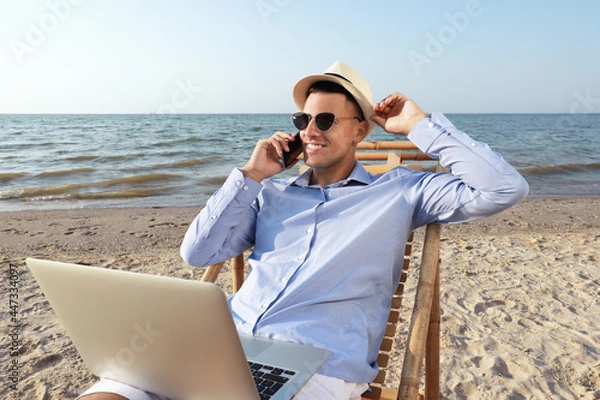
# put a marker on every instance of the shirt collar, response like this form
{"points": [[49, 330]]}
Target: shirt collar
{"points": [[358, 176]]}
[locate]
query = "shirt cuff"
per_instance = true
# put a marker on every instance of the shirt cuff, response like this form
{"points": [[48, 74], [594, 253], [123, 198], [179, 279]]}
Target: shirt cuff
{"points": [[245, 189], [428, 130]]}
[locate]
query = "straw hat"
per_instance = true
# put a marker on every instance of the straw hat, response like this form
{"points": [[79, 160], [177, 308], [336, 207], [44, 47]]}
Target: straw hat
{"points": [[346, 77]]}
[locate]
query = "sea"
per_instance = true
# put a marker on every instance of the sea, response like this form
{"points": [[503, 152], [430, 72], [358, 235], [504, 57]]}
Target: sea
{"points": [[160, 160]]}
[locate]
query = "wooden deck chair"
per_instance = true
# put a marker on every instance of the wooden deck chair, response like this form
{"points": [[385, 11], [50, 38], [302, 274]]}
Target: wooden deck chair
{"points": [[423, 339]]}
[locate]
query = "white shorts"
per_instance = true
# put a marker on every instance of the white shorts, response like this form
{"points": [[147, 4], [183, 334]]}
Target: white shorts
{"points": [[317, 388]]}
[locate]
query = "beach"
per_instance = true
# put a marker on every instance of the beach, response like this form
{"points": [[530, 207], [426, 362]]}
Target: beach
{"points": [[520, 295]]}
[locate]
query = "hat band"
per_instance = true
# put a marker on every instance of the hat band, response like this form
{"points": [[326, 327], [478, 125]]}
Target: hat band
{"points": [[338, 76]]}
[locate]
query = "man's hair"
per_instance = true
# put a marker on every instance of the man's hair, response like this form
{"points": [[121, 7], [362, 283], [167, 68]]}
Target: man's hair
{"points": [[332, 87]]}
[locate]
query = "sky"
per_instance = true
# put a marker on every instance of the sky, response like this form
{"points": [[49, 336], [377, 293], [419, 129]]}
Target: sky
{"points": [[184, 56]]}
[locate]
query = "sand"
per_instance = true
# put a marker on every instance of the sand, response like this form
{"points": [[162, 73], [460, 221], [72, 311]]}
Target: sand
{"points": [[520, 295]]}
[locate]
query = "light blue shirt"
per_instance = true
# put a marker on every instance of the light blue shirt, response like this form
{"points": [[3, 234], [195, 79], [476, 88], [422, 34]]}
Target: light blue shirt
{"points": [[326, 260]]}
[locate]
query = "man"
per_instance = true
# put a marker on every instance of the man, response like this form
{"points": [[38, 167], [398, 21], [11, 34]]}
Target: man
{"points": [[328, 245]]}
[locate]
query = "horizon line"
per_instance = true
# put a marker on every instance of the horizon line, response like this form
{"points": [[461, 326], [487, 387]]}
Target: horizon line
{"points": [[283, 113]]}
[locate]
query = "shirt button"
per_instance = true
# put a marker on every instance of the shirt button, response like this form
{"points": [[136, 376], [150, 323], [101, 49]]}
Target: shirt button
{"points": [[473, 145], [309, 230], [299, 258], [213, 216], [264, 306], [238, 183], [245, 188], [283, 280], [430, 125]]}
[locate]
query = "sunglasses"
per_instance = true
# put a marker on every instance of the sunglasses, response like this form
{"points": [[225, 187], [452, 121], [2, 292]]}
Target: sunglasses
{"points": [[324, 120]]}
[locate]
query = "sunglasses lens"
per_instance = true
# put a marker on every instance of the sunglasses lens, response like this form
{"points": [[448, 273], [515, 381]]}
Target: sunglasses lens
{"points": [[325, 121], [300, 120]]}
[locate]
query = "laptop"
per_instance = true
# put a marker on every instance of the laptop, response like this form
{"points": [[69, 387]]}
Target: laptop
{"points": [[169, 336]]}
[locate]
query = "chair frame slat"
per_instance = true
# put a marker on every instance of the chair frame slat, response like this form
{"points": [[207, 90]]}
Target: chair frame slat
{"points": [[417, 336]]}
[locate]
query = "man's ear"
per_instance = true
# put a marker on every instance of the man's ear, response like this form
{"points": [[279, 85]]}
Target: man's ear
{"points": [[361, 133]]}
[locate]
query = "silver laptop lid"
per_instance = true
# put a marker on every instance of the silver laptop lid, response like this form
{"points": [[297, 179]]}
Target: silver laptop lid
{"points": [[150, 332]]}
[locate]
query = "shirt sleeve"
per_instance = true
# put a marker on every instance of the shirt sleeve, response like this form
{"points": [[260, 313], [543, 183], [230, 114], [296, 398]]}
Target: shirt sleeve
{"points": [[226, 226], [480, 182]]}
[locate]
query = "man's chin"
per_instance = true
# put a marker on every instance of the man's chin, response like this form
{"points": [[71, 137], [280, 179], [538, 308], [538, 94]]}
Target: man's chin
{"points": [[313, 165]]}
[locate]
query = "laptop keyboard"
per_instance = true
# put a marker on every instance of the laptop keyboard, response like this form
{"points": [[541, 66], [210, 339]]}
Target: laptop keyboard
{"points": [[269, 379]]}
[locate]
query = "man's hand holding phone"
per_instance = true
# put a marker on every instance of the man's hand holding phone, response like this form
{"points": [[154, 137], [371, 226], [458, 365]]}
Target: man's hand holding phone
{"points": [[290, 157], [266, 159]]}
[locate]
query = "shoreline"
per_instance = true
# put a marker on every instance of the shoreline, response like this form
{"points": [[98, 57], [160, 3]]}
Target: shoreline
{"points": [[62, 206], [520, 294]]}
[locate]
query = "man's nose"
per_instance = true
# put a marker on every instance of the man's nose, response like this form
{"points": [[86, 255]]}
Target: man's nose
{"points": [[311, 129]]}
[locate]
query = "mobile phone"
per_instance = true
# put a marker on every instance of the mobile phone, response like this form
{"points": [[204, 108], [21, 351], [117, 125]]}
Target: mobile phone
{"points": [[295, 150]]}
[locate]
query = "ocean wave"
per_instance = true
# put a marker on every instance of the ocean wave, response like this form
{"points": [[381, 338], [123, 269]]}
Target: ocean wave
{"points": [[162, 144], [560, 169], [169, 154], [137, 179], [129, 193], [136, 183], [189, 162], [191, 139], [119, 157], [9, 176], [81, 158], [103, 158], [41, 192], [53, 174]]}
